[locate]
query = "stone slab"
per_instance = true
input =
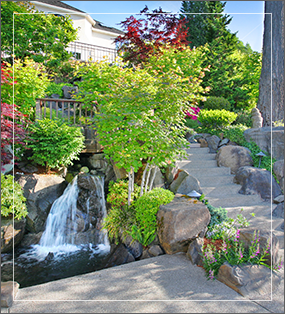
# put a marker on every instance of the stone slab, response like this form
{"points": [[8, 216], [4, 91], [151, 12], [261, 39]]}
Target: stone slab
{"points": [[7, 289]]}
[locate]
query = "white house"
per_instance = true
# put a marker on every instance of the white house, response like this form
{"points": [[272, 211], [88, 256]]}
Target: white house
{"points": [[94, 39]]}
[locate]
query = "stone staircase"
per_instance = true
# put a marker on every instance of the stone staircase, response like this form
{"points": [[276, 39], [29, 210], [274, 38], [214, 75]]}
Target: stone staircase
{"points": [[217, 185]]}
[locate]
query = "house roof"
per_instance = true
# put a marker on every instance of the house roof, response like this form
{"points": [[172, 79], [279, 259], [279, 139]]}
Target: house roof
{"points": [[98, 24], [60, 4]]}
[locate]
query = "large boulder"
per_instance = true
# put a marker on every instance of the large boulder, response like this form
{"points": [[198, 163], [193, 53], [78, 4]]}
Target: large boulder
{"points": [[279, 211], [68, 91], [184, 183], [234, 157], [12, 233], [180, 222], [278, 169], [120, 255], [262, 137], [251, 281], [120, 173], [195, 251], [98, 162], [257, 181], [40, 192], [213, 143], [170, 173]]}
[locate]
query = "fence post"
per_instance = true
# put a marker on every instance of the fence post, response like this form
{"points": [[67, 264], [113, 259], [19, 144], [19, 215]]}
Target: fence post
{"points": [[38, 110]]}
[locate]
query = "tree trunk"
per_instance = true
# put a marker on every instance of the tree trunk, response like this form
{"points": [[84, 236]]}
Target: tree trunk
{"points": [[274, 67]]}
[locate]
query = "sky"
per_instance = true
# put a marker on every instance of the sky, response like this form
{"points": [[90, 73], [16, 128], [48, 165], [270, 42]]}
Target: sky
{"points": [[247, 16]]}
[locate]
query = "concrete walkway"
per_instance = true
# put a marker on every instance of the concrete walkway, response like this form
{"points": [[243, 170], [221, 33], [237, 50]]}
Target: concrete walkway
{"points": [[163, 284]]}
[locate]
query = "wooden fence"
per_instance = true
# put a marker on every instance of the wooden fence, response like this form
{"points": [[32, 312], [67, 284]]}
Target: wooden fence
{"points": [[69, 110]]}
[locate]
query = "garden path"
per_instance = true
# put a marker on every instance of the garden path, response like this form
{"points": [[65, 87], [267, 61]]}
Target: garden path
{"points": [[217, 185]]}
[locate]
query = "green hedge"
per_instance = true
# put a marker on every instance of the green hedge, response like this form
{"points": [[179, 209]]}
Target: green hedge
{"points": [[12, 199], [216, 118], [216, 103]]}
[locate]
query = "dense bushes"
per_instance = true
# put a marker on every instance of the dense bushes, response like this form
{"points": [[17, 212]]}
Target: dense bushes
{"points": [[137, 220], [216, 118], [213, 103], [54, 88], [146, 208], [54, 144], [12, 199], [31, 81]]}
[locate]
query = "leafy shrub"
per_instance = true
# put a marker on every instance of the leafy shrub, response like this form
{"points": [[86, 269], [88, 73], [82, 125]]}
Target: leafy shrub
{"points": [[31, 81], [118, 193], [12, 199], [54, 88], [54, 144], [121, 217], [234, 253], [216, 103], [216, 118], [244, 118], [146, 208], [192, 124], [218, 215]]}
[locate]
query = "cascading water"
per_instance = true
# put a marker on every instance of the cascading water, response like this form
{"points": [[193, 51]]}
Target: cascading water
{"points": [[73, 242], [60, 225], [61, 232]]}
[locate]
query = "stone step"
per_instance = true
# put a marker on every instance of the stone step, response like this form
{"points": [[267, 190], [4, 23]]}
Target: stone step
{"points": [[196, 150], [235, 201], [195, 157], [198, 164], [261, 209], [221, 190], [206, 172], [213, 181]]}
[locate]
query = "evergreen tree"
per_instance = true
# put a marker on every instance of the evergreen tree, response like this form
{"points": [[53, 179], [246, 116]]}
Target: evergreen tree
{"points": [[232, 66], [204, 28]]}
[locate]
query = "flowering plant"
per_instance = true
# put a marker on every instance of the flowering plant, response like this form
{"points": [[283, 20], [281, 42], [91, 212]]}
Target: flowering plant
{"points": [[232, 250], [193, 114]]}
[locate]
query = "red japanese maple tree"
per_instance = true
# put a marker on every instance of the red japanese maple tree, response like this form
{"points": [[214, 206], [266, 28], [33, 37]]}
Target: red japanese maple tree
{"points": [[144, 36], [12, 122]]}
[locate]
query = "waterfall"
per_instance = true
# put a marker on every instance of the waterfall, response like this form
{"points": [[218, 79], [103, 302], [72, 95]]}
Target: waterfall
{"points": [[60, 224], [61, 234]]}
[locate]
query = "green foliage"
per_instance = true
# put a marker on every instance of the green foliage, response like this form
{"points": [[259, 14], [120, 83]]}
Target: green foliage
{"points": [[244, 118], [213, 103], [218, 215], [12, 199], [31, 81], [42, 37], [118, 193], [146, 208], [192, 124], [54, 88], [137, 220], [216, 118], [121, 217], [235, 134], [234, 74], [204, 28], [141, 111], [54, 144], [220, 225], [234, 253], [278, 123]]}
